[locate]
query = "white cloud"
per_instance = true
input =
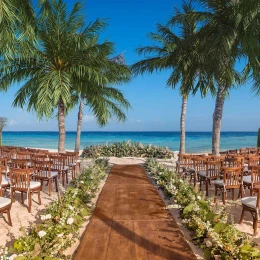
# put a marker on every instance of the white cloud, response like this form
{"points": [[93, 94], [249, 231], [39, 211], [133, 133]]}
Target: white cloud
{"points": [[88, 118]]}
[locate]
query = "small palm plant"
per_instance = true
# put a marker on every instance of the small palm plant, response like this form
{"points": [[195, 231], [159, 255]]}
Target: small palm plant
{"points": [[3, 123]]}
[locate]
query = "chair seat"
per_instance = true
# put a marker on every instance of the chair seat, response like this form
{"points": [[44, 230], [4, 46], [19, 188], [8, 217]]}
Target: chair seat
{"points": [[249, 201], [5, 181], [219, 182], [4, 202], [35, 184], [203, 173], [247, 179], [43, 174]]}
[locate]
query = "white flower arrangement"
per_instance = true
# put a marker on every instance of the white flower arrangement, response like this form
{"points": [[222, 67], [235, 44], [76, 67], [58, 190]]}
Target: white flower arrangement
{"points": [[70, 221], [41, 233]]}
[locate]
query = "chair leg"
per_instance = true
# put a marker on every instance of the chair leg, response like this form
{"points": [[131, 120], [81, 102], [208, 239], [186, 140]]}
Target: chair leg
{"points": [[216, 194], [200, 182], [39, 197], [233, 194], [207, 187], [29, 201], [224, 194], [9, 218], [67, 179], [22, 198], [242, 216], [255, 223], [56, 183], [63, 179], [50, 186]]}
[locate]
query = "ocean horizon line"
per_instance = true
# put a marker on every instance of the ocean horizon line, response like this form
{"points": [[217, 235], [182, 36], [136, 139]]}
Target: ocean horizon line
{"points": [[95, 131]]}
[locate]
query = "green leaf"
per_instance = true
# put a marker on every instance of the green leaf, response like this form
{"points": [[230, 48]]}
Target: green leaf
{"points": [[207, 253]]}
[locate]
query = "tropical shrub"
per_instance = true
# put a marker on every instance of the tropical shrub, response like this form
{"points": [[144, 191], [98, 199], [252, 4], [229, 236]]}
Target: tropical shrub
{"points": [[62, 219], [124, 149], [212, 227]]}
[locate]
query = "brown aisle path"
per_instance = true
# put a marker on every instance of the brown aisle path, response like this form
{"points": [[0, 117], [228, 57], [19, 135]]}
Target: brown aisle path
{"points": [[131, 222]]}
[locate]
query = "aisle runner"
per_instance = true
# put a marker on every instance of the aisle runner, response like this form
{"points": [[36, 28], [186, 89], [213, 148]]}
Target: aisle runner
{"points": [[131, 222]]}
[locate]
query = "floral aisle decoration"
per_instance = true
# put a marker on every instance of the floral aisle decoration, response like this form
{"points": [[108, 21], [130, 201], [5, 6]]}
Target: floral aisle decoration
{"points": [[212, 227], [62, 219], [125, 149]]}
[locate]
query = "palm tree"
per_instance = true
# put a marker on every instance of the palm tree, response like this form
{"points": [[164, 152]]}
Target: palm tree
{"points": [[104, 101], [172, 53], [54, 68], [219, 41], [3, 123]]}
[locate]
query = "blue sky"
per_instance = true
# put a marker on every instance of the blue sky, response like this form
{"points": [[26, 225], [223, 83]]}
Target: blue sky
{"points": [[154, 107]]}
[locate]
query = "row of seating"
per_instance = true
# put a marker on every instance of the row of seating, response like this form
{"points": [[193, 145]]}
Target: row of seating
{"points": [[25, 170], [237, 169]]}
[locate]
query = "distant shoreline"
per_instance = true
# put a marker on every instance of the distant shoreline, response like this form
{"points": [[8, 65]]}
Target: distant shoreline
{"points": [[39, 131]]}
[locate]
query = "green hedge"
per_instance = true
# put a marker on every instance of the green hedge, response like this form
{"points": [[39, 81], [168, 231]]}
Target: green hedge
{"points": [[212, 227], [61, 220], [126, 149]]}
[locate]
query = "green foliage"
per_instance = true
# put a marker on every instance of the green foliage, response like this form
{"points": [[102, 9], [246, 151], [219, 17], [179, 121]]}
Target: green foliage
{"points": [[62, 219], [125, 149], [258, 138], [212, 230]]}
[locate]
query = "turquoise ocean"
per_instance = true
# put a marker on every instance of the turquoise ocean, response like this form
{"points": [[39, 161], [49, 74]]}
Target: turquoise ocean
{"points": [[195, 141]]}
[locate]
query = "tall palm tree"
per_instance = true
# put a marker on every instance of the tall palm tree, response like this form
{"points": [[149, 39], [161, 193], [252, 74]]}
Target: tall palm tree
{"points": [[171, 52], [105, 103], [220, 43], [57, 64]]}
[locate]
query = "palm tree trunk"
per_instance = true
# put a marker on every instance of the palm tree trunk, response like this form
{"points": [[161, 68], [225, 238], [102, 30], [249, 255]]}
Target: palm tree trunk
{"points": [[80, 116], [61, 122], [217, 120], [1, 135], [182, 124]]}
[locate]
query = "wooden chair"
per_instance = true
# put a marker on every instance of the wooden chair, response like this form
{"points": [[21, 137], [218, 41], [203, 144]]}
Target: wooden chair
{"points": [[73, 162], [199, 167], [43, 172], [58, 166], [187, 166], [216, 158], [181, 163], [40, 157], [250, 180], [252, 203], [213, 169], [20, 181], [232, 179], [251, 162], [5, 204]]}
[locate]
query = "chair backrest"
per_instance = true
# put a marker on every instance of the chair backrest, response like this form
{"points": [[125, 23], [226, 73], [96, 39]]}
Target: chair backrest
{"points": [[233, 162], [3, 164], [72, 157], [42, 169], [213, 169], [244, 151], [223, 153], [58, 163], [41, 151], [232, 151], [253, 161], [199, 163], [233, 176], [20, 164], [24, 155], [40, 157], [255, 175], [188, 162], [216, 158], [20, 179]]}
